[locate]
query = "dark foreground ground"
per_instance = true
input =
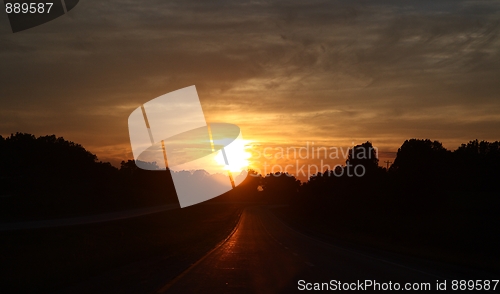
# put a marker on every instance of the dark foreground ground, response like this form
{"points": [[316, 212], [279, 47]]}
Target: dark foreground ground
{"points": [[266, 255], [465, 243], [211, 248], [137, 254]]}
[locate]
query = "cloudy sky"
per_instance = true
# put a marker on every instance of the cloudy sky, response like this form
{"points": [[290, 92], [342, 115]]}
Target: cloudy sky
{"points": [[286, 72]]}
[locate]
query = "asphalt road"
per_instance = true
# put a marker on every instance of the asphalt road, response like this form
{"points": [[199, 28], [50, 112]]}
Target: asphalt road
{"points": [[264, 255]]}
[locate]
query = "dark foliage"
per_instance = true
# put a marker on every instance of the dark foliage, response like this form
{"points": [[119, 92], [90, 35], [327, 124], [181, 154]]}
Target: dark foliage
{"points": [[430, 197], [50, 177], [280, 188]]}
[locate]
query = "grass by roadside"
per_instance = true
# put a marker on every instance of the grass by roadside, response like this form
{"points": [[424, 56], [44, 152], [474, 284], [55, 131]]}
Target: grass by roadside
{"points": [[45, 260]]}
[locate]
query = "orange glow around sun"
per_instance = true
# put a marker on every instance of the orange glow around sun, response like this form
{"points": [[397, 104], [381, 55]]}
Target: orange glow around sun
{"points": [[238, 157]]}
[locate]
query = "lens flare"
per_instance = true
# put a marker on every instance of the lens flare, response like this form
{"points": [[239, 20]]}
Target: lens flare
{"points": [[238, 155]]}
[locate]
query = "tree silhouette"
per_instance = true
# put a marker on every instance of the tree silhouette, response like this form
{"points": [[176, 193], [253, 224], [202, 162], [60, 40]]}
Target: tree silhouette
{"points": [[364, 154], [422, 169], [280, 188], [50, 176]]}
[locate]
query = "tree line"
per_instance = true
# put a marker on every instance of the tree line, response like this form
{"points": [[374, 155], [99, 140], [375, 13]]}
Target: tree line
{"points": [[430, 197], [50, 176]]}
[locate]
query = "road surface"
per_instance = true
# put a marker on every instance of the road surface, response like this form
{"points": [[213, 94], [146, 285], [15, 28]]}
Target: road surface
{"points": [[264, 255]]}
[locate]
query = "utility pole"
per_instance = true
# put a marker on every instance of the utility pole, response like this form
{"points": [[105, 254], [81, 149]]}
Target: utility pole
{"points": [[388, 162]]}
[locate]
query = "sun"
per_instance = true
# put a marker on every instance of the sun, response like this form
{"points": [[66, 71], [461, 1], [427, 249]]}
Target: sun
{"points": [[237, 156]]}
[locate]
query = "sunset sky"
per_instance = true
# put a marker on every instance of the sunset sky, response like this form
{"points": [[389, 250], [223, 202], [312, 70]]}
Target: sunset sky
{"points": [[335, 73]]}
